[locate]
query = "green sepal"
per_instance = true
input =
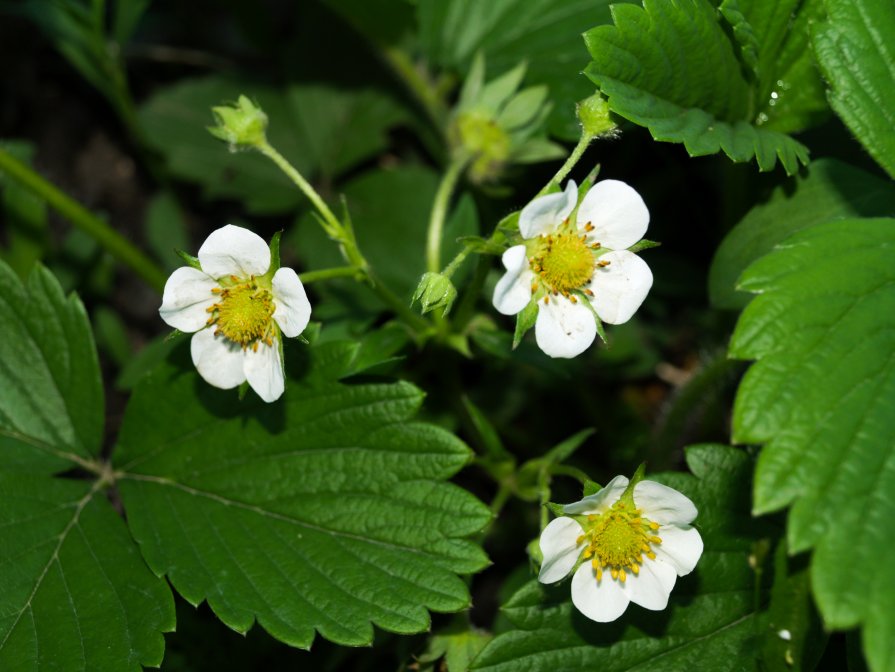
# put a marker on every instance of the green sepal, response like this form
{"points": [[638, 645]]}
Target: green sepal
{"points": [[556, 509], [242, 389], [274, 254], [590, 488], [479, 245], [525, 320], [177, 333], [628, 495], [643, 245], [189, 259]]}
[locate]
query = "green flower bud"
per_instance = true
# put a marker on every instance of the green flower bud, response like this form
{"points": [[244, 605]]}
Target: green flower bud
{"points": [[435, 291], [594, 115], [242, 124]]}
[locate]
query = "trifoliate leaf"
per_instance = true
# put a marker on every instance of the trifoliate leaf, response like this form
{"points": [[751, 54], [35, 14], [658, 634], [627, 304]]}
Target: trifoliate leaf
{"points": [[74, 592], [828, 190], [672, 68], [820, 398], [854, 50], [711, 619], [326, 512]]}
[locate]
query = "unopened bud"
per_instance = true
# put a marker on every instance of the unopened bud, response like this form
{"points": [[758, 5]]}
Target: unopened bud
{"points": [[435, 291], [242, 124], [594, 115]]}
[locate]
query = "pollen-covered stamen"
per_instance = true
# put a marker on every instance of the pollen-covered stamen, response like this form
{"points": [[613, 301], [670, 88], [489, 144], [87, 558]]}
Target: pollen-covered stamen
{"points": [[564, 261], [617, 541], [244, 314]]}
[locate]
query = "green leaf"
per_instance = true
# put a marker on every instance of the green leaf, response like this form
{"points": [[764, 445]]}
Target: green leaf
{"points": [[672, 68], [820, 399], [51, 396], [545, 34], [711, 619], [325, 512], [75, 593], [456, 647], [828, 190], [321, 130], [854, 51]]}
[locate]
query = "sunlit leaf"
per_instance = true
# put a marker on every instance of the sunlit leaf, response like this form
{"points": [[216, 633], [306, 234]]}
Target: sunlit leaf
{"points": [[820, 399]]}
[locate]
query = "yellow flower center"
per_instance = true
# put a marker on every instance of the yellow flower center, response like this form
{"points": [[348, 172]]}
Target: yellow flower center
{"points": [[244, 313], [617, 540], [564, 262]]}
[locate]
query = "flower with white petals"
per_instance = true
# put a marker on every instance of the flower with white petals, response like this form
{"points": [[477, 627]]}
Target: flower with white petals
{"points": [[577, 268], [239, 305], [624, 544]]}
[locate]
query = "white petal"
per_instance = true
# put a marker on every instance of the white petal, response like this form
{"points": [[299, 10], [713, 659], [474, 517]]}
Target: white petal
{"points": [[652, 586], [602, 602], [218, 360], [560, 549], [618, 214], [264, 371], [681, 547], [293, 310], [663, 505], [563, 328], [233, 250], [513, 290], [545, 213], [187, 295], [620, 287], [601, 501]]}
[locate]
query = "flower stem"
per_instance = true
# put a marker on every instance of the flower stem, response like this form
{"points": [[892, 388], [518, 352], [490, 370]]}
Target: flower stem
{"points": [[423, 91], [439, 213], [305, 187], [113, 242], [344, 236], [328, 273], [574, 158]]}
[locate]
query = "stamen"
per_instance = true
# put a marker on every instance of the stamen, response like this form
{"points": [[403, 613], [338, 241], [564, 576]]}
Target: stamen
{"points": [[602, 263]]}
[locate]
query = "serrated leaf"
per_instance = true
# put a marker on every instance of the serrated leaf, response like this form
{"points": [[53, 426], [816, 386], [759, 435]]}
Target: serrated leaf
{"points": [[854, 51], [672, 68], [828, 190], [51, 396], [820, 399], [309, 125], [545, 34], [710, 622], [326, 512], [74, 592]]}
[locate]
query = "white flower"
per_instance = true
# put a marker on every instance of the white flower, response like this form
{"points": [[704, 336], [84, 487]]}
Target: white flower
{"points": [[579, 268], [628, 544], [238, 311]]}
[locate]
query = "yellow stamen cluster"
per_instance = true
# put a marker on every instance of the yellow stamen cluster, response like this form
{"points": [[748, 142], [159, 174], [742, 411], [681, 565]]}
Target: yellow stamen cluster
{"points": [[244, 313], [564, 261], [617, 540]]}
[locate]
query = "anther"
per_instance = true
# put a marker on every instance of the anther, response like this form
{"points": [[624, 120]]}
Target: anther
{"points": [[588, 292], [599, 571], [656, 540], [622, 575], [635, 568], [595, 246], [546, 299], [651, 555], [573, 299], [216, 290], [614, 573], [602, 263], [534, 286], [588, 227]]}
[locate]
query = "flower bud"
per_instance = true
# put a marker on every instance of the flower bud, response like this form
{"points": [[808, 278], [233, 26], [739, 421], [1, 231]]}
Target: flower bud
{"points": [[594, 115], [242, 124], [435, 291]]}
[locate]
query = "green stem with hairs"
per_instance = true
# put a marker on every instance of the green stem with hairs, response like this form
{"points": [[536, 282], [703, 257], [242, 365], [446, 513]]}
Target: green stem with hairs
{"points": [[439, 213], [113, 242], [574, 158]]}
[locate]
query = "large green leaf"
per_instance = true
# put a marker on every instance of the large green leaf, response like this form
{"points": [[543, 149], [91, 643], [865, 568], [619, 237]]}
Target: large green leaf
{"points": [[320, 129], [672, 68], [820, 398], [51, 396], [856, 53], [711, 622], [327, 511], [546, 34], [829, 190], [74, 592]]}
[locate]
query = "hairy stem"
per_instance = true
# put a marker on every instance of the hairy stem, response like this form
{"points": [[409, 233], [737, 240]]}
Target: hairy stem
{"points": [[113, 242], [439, 213]]}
